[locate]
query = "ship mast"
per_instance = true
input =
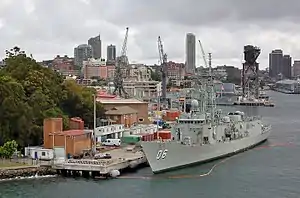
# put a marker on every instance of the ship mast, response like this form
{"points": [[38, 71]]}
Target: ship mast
{"points": [[212, 91], [209, 85]]}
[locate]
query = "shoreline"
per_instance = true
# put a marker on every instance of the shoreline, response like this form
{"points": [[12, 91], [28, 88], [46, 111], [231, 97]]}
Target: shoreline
{"points": [[9, 173]]}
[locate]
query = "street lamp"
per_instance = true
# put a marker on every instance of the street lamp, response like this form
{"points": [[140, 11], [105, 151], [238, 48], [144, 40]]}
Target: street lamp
{"points": [[94, 131]]}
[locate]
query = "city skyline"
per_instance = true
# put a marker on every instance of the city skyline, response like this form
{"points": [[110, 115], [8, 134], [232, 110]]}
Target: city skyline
{"points": [[223, 28]]}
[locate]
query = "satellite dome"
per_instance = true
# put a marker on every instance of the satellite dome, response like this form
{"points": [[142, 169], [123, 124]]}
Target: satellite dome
{"points": [[194, 104]]}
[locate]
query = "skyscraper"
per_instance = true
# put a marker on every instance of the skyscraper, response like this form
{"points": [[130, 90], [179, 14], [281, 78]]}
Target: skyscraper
{"points": [[190, 61], [111, 54], [82, 53], [280, 64], [296, 68], [287, 66], [275, 63], [95, 42]]}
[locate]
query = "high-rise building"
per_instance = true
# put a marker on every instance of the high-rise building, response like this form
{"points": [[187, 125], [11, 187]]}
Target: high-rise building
{"points": [[111, 54], [82, 53], [275, 63], [287, 66], [296, 68], [280, 64], [190, 61], [95, 42]]}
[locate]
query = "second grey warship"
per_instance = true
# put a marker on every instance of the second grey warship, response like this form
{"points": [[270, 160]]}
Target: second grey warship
{"points": [[203, 134]]}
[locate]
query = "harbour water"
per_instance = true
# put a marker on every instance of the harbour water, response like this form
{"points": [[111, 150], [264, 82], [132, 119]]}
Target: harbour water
{"points": [[272, 170]]}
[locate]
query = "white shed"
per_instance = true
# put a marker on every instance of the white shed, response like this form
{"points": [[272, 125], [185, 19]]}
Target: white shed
{"points": [[28, 150], [42, 154]]}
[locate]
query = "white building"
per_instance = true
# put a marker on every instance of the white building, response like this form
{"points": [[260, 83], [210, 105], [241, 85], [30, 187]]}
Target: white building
{"points": [[140, 129], [138, 72], [142, 89], [39, 153], [114, 131]]}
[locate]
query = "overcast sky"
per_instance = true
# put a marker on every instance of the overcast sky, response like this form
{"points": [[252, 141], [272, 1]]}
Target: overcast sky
{"points": [[46, 28]]}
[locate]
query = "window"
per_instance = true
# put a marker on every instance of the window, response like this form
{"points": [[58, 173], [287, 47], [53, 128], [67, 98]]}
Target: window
{"points": [[43, 153], [141, 119]]}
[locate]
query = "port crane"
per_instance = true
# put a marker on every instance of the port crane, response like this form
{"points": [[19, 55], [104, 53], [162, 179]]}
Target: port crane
{"points": [[207, 65], [163, 59], [250, 71], [121, 63]]}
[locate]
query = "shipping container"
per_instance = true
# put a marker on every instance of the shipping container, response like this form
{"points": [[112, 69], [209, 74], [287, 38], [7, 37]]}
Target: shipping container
{"points": [[76, 123], [165, 135], [171, 115], [147, 137], [132, 139]]}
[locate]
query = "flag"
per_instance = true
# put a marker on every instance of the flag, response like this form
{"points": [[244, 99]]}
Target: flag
{"points": [[222, 87]]}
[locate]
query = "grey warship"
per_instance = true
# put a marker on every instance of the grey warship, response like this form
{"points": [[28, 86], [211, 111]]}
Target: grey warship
{"points": [[204, 133]]}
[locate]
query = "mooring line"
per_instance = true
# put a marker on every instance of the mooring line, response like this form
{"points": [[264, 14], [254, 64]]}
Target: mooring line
{"points": [[204, 174]]}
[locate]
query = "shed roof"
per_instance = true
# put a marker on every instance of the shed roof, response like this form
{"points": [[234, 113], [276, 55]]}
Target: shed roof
{"points": [[120, 101], [123, 110], [73, 132]]}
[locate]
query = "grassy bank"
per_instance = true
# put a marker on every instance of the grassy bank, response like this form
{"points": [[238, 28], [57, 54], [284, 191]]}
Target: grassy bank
{"points": [[4, 164]]}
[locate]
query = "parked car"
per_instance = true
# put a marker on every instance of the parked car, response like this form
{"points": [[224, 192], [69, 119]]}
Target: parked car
{"points": [[102, 156]]}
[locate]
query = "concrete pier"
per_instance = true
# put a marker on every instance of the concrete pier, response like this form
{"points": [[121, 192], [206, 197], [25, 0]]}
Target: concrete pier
{"points": [[121, 159]]}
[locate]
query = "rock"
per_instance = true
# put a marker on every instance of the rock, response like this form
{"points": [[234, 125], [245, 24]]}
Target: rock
{"points": [[25, 172]]}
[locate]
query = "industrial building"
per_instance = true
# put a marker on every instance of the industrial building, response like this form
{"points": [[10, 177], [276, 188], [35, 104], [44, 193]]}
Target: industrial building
{"points": [[139, 106], [71, 142], [124, 115]]}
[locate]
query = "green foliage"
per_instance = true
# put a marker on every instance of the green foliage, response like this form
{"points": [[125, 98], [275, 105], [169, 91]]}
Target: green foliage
{"points": [[155, 75], [29, 93], [8, 149]]}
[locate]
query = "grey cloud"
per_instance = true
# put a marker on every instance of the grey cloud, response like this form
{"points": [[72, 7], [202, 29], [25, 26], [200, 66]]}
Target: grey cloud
{"points": [[191, 12], [56, 26]]}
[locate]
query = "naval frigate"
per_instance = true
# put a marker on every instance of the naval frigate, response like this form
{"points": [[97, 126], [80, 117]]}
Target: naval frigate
{"points": [[204, 134]]}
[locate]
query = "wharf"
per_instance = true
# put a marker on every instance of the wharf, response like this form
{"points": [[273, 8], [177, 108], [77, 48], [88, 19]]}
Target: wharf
{"points": [[121, 159]]}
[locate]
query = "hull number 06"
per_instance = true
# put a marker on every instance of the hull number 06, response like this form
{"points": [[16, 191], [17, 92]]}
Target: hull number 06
{"points": [[161, 154]]}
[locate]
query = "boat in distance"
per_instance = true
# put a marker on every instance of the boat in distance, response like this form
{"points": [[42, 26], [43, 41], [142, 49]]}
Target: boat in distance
{"points": [[204, 134]]}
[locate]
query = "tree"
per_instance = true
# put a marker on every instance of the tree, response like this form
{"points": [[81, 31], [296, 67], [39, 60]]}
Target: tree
{"points": [[30, 93], [79, 102], [8, 149], [155, 76]]}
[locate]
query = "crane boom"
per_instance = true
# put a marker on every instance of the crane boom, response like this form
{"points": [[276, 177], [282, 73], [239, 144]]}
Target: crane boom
{"points": [[163, 61], [121, 62], [203, 54], [124, 46]]}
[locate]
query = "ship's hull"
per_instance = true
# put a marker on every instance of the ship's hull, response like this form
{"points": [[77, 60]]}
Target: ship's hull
{"points": [[178, 155]]}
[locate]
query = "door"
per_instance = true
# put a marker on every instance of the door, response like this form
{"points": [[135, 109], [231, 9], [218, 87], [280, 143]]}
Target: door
{"points": [[59, 153], [35, 155]]}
